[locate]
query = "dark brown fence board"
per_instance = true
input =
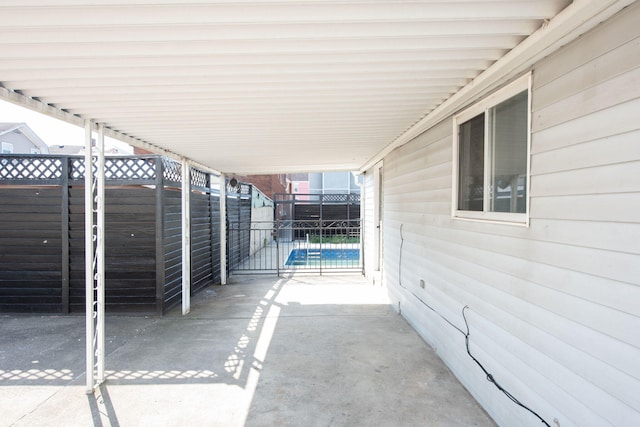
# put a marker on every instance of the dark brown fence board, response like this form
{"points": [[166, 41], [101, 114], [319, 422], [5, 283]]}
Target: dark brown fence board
{"points": [[64, 233], [239, 217], [172, 248], [159, 235], [30, 261], [201, 245], [42, 234], [22, 224], [129, 249]]}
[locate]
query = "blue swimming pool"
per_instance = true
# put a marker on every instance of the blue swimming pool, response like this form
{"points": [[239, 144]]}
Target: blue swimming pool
{"points": [[341, 258]]}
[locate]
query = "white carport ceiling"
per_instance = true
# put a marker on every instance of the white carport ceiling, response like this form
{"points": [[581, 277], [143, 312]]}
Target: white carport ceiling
{"points": [[258, 87]]}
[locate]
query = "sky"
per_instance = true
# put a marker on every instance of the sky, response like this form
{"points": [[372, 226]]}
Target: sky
{"points": [[51, 131]]}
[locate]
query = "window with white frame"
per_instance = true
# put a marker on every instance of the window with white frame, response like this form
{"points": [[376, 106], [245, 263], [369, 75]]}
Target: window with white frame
{"points": [[491, 156], [7, 148]]}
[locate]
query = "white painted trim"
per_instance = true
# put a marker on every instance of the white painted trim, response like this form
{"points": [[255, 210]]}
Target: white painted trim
{"points": [[378, 178], [483, 106], [486, 179], [529, 136], [575, 20], [495, 98], [493, 218], [7, 146]]}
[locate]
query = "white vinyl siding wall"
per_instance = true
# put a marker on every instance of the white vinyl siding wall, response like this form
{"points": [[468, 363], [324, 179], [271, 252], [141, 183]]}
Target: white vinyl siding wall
{"points": [[554, 308]]}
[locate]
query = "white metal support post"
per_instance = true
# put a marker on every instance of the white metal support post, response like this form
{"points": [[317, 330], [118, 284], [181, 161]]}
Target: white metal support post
{"points": [[88, 256], [94, 259], [223, 229], [186, 237], [100, 254]]}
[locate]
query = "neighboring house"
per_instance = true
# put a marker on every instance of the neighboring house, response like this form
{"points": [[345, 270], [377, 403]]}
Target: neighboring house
{"points": [[68, 150], [299, 183], [537, 237], [19, 138], [333, 183], [324, 183], [267, 184], [79, 150], [305, 183]]}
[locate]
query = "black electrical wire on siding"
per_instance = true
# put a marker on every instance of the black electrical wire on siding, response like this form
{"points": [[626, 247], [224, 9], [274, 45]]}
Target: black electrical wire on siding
{"points": [[466, 334]]}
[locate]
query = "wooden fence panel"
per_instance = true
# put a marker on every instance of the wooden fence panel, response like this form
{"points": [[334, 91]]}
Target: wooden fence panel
{"points": [[42, 264], [201, 268], [129, 250], [333, 215], [172, 200], [214, 208], [30, 250], [238, 218]]}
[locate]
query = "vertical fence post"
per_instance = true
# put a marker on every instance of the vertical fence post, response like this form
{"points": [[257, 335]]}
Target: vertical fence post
{"points": [[210, 220], [64, 185], [160, 273]]}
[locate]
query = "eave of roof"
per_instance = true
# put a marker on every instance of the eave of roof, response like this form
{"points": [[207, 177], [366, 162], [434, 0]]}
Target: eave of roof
{"points": [[273, 87]]}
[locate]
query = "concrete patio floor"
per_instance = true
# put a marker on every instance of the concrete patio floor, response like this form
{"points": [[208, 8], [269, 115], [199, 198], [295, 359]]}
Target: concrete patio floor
{"points": [[261, 351]]}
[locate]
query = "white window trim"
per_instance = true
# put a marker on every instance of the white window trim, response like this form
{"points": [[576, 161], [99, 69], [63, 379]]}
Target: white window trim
{"points": [[7, 146], [510, 90]]}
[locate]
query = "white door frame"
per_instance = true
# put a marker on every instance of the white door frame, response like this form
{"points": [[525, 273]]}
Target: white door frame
{"points": [[378, 209]]}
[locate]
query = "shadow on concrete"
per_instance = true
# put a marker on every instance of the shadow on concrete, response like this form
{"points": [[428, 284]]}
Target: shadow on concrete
{"points": [[259, 351], [101, 407], [216, 343], [35, 350]]}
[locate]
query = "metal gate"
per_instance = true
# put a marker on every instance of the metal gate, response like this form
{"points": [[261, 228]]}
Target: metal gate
{"points": [[283, 246]]}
